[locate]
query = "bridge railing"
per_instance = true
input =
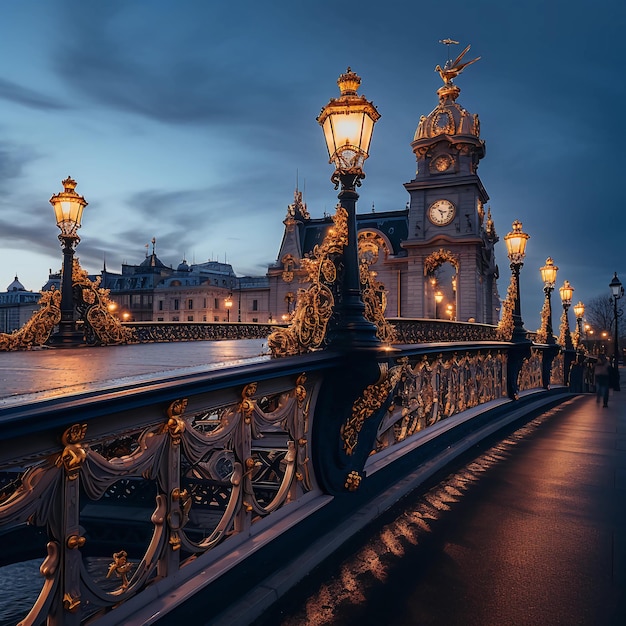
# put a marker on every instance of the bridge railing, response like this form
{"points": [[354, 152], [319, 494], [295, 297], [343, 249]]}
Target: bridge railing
{"points": [[126, 494]]}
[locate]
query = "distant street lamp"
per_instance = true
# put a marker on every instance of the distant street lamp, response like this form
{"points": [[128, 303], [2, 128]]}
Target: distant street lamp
{"points": [[516, 247], [68, 209], [566, 291], [617, 291], [450, 311], [548, 276], [228, 303], [579, 312], [438, 301], [348, 124]]}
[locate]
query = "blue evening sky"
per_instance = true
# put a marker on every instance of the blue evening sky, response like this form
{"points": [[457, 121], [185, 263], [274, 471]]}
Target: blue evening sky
{"points": [[190, 121]]}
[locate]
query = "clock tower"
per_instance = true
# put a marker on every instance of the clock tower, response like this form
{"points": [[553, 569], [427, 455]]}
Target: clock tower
{"points": [[450, 243]]}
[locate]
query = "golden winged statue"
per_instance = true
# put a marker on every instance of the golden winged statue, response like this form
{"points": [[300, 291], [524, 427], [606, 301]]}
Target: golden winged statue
{"points": [[452, 69]]}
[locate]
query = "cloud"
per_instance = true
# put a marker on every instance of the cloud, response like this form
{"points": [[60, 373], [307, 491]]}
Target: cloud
{"points": [[28, 97]]}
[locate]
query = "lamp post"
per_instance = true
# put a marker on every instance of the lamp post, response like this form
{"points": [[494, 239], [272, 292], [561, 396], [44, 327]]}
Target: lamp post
{"points": [[516, 248], [579, 312], [450, 311], [228, 303], [438, 301], [68, 209], [548, 276], [348, 124], [565, 337], [617, 291]]}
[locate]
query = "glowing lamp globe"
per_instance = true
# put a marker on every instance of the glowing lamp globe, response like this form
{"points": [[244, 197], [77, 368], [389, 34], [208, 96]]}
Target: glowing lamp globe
{"points": [[348, 124], [516, 243], [548, 273], [566, 291], [68, 208]]}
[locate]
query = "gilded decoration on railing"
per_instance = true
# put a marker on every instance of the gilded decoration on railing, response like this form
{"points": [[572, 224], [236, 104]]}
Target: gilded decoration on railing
{"points": [[505, 326], [37, 329], [353, 480], [373, 291], [314, 305], [120, 567], [427, 331], [438, 258], [530, 374], [175, 425], [557, 373], [435, 387], [364, 407], [542, 332], [100, 325], [197, 479], [73, 455]]}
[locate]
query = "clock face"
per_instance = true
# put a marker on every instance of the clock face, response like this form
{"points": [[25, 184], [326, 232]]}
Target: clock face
{"points": [[441, 212], [442, 163]]}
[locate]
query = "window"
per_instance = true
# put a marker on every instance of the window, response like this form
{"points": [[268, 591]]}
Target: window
{"points": [[204, 318], [255, 319], [175, 318], [190, 318], [255, 306], [216, 305], [176, 304], [190, 304], [159, 319], [160, 305], [204, 304], [216, 318]]}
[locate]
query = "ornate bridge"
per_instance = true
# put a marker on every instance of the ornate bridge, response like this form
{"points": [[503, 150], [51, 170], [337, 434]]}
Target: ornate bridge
{"points": [[137, 497]]}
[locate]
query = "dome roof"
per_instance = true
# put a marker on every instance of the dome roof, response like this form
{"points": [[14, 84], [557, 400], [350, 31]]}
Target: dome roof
{"points": [[448, 118], [16, 285], [152, 261], [182, 266]]}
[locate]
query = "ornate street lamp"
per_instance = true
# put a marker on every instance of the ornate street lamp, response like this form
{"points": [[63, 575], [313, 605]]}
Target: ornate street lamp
{"points": [[516, 248], [68, 209], [565, 336], [438, 301], [579, 312], [348, 124], [450, 311], [228, 303], [617, 291], [548, 276]]}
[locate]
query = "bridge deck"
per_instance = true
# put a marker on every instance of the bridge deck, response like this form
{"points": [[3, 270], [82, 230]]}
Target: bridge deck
{"points": [[532, 532]]}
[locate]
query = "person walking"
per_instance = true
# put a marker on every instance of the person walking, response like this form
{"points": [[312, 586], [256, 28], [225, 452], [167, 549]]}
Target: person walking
{"points": [[601, 374]]}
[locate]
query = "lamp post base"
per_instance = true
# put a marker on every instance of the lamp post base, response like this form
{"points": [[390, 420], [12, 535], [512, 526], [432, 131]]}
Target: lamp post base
{"points": [[67, 336]]}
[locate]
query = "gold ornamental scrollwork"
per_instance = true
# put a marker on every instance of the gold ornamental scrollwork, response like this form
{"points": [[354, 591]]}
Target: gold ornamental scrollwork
{"points": [[175, 425], [364, 407], [438, 258], [74, 454], [353, 480], [121, 567], [314, 305], [37, 329], [504, 331], [246, 406]]}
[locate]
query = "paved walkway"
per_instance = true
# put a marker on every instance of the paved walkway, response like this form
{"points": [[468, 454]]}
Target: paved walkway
{"points": [[47, 372], [531, 533]]}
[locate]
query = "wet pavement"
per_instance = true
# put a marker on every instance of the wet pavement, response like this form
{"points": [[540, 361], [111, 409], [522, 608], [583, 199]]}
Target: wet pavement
{"points": [[52, 371], [531, 532]]}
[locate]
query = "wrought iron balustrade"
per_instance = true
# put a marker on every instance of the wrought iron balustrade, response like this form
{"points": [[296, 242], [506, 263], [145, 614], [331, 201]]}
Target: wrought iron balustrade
{"points": [[124, 491]]}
